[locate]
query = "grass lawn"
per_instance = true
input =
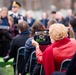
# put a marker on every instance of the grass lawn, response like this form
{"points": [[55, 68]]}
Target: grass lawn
{"points": [[6, 67]]}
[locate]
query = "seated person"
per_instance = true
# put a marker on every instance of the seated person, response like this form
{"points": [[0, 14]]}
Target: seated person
{"points": [[6, 20], [37, 68], [5, 40], [61, 48], [17, 42], [29, 48]]}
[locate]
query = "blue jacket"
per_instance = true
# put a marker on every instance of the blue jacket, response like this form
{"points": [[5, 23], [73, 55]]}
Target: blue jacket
{"points": [[31, 23], [44, 21], [29, 48], [4, 22]]}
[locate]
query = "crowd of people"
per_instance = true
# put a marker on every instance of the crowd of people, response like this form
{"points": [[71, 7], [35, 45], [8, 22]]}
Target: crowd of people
{"points": [[21, 31]]}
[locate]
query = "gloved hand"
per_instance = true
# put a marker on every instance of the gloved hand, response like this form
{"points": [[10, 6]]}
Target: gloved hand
{"points": [[6, 58]]}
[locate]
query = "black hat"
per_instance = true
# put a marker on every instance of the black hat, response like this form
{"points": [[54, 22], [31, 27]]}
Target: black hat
{"points": [[16, 4]]}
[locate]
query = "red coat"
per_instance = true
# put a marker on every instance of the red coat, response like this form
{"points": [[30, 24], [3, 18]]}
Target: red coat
{"points": [[56, 53], [63, 50]]}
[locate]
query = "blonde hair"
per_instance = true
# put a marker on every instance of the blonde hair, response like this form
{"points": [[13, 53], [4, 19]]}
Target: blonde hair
{"points": [[10, 19], [58, 31], [71, 32]]}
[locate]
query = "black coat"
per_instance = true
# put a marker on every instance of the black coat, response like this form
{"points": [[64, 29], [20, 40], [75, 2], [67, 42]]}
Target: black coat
{"points": [[72, 66], [16, 19], [5, 40], [31, 23], [68, 19], [17, 41]]}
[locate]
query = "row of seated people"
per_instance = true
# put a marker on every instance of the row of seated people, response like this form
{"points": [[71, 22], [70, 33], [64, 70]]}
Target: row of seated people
{"points": [[59, 38], [14, 30], [15, 41]]}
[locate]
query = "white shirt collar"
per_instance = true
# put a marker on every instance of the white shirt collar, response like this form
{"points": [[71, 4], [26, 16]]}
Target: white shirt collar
{"points": [[15, 14]]}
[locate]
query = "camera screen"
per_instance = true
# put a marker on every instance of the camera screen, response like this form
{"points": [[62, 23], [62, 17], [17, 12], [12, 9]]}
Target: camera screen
{"points": [[42, 37]]}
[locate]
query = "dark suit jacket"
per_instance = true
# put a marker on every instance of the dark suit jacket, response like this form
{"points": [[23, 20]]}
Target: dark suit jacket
{"points": [[68, 19], [16, 18], [31, 23], [17, 42], [44, 21]]}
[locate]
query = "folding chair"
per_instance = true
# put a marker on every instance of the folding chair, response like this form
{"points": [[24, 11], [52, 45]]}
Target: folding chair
{"points": [[41, 69], [19, 52], [31, 60], [64, 65]]}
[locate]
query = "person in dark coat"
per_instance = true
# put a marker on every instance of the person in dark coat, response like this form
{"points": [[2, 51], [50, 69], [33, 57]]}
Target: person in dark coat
{"points": [[17, 42], [44, 19], [15, 15], [60, 18], [29, 48], [52, 57], [5, 40], [29, 18], [69, 17]]}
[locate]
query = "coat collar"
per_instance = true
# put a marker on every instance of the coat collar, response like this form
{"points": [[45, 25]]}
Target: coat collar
{"points": [[25, 32], [61, 42]]}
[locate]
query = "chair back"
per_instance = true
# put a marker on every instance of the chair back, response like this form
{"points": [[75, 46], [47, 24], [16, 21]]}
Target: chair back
{"points": [[31, 59], [64, 65], [19, 52]]}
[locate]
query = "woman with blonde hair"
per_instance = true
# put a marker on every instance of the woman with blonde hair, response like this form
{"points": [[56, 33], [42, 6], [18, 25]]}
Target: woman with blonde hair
{"points": [[70, 33], [61, 48], [5, 19]]}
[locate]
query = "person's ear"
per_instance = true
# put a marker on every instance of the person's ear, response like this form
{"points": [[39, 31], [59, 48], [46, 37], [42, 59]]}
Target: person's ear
{"points": [[19, 30]]}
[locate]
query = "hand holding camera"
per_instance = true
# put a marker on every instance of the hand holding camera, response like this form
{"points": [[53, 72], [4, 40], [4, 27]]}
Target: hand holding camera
{"points": [[42, 37]]}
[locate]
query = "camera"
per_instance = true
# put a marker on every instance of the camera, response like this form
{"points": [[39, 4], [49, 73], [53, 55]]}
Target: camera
{"points": [[42, 37]]}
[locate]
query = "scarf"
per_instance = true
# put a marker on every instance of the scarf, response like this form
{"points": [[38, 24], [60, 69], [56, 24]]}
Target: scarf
{"points": [[48, 58]]}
